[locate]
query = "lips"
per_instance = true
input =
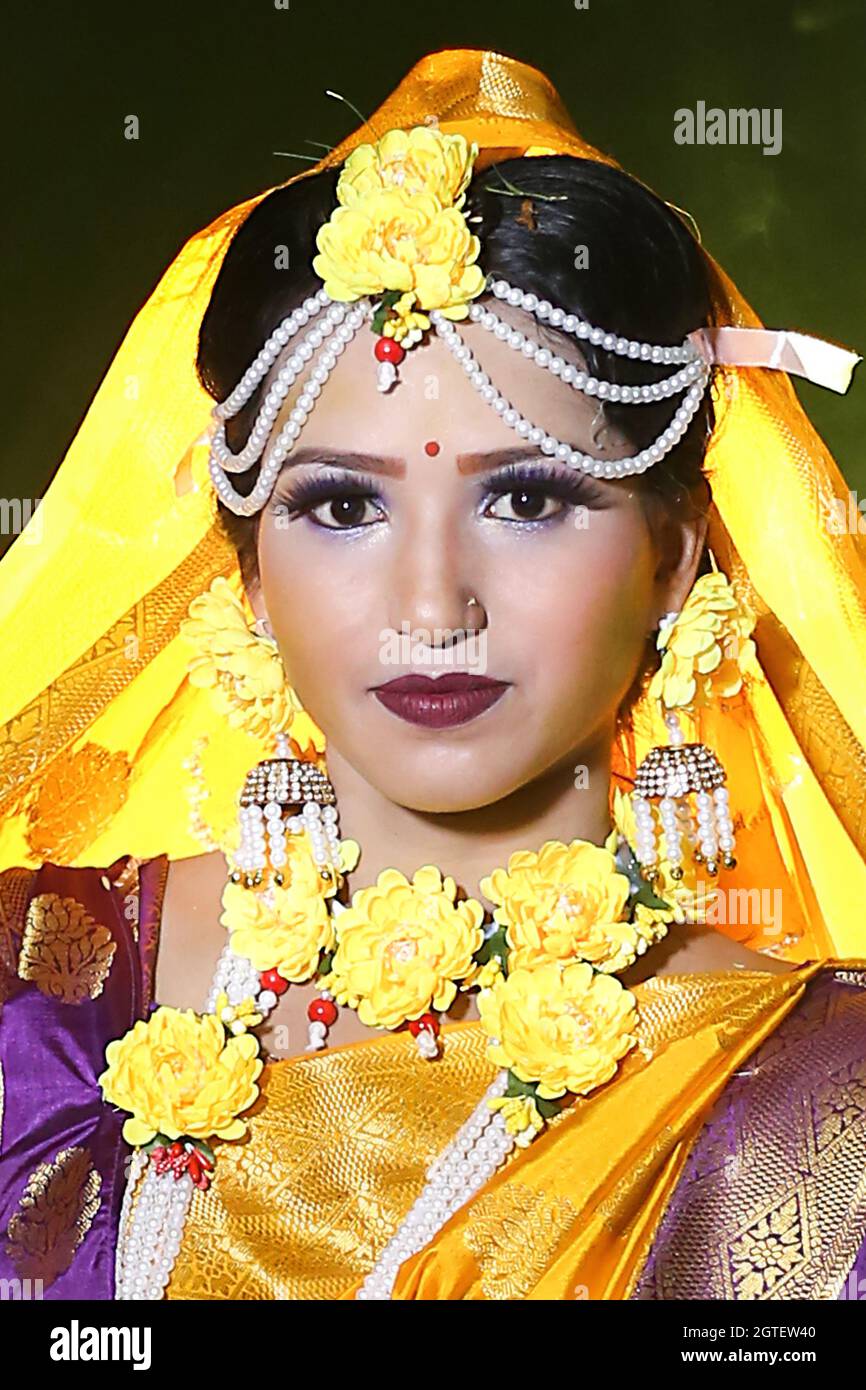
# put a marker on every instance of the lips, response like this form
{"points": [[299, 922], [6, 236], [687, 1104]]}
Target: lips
{"points": [[440, 703]]}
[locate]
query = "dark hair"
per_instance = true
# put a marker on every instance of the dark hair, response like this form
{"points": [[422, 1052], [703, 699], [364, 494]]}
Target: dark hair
{"points": [[646, 279]]}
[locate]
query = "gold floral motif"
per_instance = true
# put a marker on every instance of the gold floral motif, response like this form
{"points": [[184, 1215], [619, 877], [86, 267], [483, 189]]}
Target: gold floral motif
{"points": [[54, 1215], [838, 1103], [512, 1234], [75, 802], [767, 1251], [65, 953]]}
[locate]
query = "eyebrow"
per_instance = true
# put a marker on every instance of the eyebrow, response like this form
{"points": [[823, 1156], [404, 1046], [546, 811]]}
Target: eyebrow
{"points": [[396, 467]]}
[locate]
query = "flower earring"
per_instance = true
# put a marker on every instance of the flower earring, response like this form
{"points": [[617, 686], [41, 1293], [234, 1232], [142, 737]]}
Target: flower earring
{"points": [[707, 650]]}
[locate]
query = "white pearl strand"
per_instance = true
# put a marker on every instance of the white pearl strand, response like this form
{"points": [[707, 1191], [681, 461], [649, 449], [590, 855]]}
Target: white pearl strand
{"points": [[268, 354], [151, 1231], [464, 1166], [566, 453], [272, 404], [613, 391], [274, 457], [546, 312]]}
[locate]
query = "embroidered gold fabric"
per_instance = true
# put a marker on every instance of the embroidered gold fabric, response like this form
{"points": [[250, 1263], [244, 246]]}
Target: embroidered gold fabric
{"points": [[340, 1141], [54, 1214], [64, 951], [15, 888]]}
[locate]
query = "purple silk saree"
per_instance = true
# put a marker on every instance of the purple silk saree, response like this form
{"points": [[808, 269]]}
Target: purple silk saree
{"points": [[771, 1204]]}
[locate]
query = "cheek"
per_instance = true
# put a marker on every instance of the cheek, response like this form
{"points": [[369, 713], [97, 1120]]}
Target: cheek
{"points": [[583, 614], [316, 610]]}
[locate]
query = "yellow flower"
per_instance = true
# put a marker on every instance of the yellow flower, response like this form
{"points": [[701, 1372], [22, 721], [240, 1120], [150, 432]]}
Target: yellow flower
{"points": [[406, 326], [565, 1027], [482, 976], [421, 160], [690, 897], [401, 946], [563, 903], [386, 241], [708, 649], [178, 1074], [284, 928], [244, 673], [521, 1117], [237, 1017]]}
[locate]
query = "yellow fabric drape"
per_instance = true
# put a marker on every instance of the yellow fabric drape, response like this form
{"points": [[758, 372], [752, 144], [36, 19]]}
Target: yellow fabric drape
{"points": [[98, 715], [339, 1143]]}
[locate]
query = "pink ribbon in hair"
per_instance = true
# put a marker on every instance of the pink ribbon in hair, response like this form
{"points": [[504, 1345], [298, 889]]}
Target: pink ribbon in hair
{"points": [[823, 363]]}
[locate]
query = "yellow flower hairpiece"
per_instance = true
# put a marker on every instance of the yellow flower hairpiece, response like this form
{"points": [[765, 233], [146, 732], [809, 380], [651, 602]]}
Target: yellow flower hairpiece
{"points": [[398, 233]]}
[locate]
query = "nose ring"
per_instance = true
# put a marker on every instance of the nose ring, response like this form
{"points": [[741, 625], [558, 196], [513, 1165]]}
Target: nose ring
{"points": [[478, 613]]}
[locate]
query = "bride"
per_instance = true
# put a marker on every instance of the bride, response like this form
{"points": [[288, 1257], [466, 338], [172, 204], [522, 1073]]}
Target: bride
{"points": [[335, 966]]}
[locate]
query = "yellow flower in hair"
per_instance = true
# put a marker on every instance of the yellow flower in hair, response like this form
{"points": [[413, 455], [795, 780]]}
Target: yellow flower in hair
{"points": [[708, 649], [402, 946], [421, 160], [387, 241], [564, 903], [406, 323], [178, 1074], [244, 673], [565, 1027], [286, 928], [483, 976], [521, 1117]]}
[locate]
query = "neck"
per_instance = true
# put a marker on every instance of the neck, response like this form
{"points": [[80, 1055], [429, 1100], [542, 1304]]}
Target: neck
{"points": [[468, 845]]}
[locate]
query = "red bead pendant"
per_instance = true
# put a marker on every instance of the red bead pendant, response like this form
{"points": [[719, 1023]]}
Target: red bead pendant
{"points": [[389, 350], [431, 448], [429, 1021], [322, 1011], [273, 980]]}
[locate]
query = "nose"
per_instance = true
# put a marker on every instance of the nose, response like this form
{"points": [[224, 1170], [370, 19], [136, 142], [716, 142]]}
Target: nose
{"points": [[433, 595]]}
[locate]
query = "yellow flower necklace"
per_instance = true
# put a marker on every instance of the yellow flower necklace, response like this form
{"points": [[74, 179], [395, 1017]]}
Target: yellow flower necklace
{"points": [[565, 921]]}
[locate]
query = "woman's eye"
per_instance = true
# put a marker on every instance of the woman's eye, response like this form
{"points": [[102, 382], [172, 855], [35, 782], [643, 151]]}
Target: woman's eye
{"points": [[343, 513], [525, 504]]}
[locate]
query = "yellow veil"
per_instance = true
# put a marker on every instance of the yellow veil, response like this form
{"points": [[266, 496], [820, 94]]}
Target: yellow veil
{"points": [[99, 717]]}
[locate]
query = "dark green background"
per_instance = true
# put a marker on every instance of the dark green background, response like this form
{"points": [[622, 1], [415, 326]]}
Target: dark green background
{"points": [[92, 219]]}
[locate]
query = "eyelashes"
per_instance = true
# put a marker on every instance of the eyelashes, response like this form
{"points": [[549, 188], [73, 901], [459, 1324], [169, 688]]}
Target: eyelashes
{"points": [[350, 494]]}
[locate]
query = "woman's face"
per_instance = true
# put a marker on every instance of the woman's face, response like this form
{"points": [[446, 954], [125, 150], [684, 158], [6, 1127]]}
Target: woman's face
{"points": [[370, 548]]}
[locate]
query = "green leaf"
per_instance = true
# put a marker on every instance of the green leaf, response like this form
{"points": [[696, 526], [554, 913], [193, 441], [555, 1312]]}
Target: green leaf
{"points": [[495, 945], [389, 298], [516, 1087], [324, 962], [647, 895]]}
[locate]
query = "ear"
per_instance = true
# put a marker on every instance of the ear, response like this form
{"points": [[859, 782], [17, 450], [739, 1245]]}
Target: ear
{"points": [[681, 543], [253, 591]]}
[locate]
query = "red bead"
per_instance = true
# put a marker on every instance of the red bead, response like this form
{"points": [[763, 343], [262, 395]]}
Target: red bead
{"points": [[425, 1021], [273, 980], [389, 350], [322, 1011], [431, 448], [176, 1150]]}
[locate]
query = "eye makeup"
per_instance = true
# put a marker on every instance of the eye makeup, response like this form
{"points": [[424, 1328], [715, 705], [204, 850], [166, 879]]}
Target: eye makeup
{"points": [[301, 494]]}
